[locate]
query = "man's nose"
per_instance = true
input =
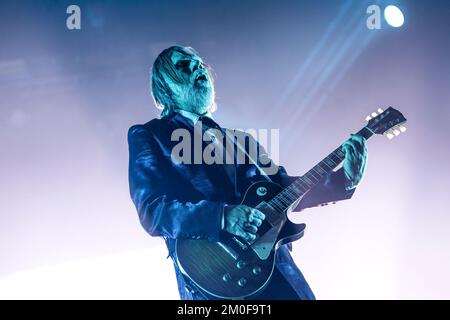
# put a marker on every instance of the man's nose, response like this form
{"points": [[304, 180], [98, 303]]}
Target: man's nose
{"points": [[194, 66]]}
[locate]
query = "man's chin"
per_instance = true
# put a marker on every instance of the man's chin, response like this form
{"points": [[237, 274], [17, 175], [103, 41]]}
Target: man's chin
{"points": [[201, 99], [200, 109]]}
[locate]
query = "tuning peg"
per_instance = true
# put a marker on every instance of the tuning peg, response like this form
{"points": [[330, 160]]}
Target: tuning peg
{"points": [[368, 118], [402, 128], [374, 114], [389, 134], [380, 111]]}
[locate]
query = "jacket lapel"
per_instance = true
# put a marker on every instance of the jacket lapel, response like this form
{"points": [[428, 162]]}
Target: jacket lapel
{"points": [[177, 120]]}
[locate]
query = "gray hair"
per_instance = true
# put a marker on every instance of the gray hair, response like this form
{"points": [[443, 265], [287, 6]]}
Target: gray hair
{"points": [[161, 92]]}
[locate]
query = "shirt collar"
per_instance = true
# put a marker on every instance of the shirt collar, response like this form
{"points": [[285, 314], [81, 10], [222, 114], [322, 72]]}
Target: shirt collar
{"points": [[193, 116]]}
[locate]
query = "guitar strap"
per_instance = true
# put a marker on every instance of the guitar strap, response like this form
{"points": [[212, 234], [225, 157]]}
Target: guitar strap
{"points": [[242, 149]]}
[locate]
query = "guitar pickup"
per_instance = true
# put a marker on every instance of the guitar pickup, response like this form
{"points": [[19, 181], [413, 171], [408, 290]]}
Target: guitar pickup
{"points": [[229, 250]]}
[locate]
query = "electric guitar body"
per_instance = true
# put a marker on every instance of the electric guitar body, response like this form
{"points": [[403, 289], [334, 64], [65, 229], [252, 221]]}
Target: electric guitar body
{"points": [[233, 268]]}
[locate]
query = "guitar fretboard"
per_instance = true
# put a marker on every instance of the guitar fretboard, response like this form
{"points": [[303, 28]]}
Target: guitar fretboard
{"points": [[286, 198]]}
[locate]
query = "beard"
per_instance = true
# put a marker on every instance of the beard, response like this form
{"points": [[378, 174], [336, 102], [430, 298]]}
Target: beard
{"points": [[197, 97]]}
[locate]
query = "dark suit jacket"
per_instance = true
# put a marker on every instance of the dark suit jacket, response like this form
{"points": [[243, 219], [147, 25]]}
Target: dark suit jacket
{"points": [[186, 200]]}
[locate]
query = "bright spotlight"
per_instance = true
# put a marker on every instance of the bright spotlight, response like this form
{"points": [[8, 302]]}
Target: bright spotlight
{"points": [[394, 16]]}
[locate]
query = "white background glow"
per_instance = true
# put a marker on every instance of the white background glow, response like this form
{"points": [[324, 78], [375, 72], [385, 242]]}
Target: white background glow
{"points": [[129, 275]]}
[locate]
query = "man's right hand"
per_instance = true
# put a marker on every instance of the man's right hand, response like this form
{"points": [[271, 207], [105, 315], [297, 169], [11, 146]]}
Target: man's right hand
{"points": [[243, 221]]}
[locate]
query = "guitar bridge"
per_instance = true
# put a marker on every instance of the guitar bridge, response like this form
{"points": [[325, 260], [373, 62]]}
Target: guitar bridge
{"points": [[242, 245]]}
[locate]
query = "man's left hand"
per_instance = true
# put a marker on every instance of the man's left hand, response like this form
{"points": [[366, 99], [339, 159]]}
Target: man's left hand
{"points": [[355, 160]]}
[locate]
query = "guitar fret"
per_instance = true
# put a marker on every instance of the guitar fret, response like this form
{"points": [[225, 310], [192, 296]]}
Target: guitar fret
{"points": [[308, 182], [283, 200], [329, 162], [279, 206], [320, 170], [324, 169], [300, 187], [274, 204], [304, 185], [311, 173], [329, 166], [288, 194], [336, 158], [291, 196], [341, 153], [294, 188]]}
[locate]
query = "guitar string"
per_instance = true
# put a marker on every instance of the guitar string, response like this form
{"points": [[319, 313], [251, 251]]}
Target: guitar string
{"points": [[284, 199]]}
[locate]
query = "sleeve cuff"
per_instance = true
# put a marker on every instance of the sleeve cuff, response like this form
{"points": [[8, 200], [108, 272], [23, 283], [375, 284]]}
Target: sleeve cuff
{"points": [[349, 185]]}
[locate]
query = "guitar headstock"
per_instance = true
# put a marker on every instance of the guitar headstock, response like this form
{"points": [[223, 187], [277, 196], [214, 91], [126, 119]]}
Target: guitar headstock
{"points": [[388, 122]]}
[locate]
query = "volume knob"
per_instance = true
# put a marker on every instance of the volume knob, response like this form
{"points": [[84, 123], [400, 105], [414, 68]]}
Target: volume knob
{"points": [[256, 270], [226, 277], [242, 282]]}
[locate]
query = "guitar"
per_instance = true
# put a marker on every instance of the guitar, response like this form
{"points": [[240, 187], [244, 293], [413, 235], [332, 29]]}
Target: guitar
{"points": [[236, 269]]}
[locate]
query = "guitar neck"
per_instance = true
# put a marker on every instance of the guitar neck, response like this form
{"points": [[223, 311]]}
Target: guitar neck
{"points": [[286, 198]]}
